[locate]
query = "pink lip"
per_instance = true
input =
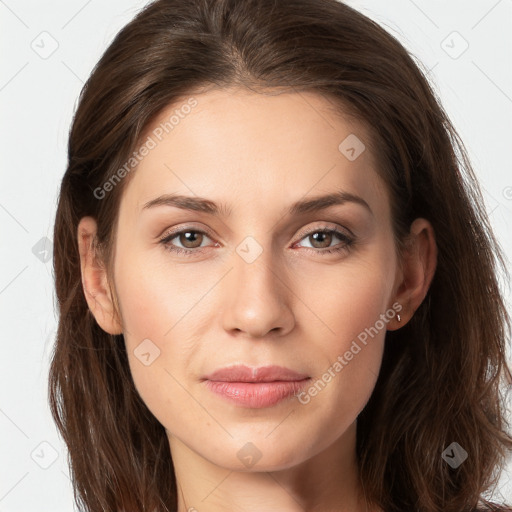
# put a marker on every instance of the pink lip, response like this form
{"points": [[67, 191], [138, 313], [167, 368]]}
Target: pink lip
{"points": [[255, 387]]}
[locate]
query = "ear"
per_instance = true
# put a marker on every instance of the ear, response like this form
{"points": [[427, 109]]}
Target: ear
{"points": [[417, 271], [94, 278]]}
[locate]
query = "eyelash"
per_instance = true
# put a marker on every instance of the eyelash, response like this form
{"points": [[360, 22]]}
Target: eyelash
{"points": [[348, 241]]}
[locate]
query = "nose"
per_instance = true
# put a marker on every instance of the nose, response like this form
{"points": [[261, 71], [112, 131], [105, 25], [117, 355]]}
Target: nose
{"points": [[259, 296]]}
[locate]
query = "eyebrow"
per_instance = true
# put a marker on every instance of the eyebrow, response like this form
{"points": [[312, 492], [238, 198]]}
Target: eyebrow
{"points": [[299, 207]]}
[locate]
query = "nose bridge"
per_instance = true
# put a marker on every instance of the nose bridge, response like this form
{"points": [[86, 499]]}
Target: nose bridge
{"points": [[255, 268], [255, 263], [259, 300]]}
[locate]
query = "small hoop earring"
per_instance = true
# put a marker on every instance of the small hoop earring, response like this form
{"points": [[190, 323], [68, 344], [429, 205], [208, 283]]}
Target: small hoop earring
{"points": [[398, 317]]}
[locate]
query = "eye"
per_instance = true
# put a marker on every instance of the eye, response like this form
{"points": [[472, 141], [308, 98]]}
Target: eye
{"points": [[324, 237], [192, 239]]}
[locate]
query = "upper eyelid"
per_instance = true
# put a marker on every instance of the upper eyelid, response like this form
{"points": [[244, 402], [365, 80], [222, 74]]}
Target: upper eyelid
{"points": [[178, 231], [326, 226]]}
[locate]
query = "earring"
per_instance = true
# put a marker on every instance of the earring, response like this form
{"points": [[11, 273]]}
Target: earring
{"points": [[398, 317]]}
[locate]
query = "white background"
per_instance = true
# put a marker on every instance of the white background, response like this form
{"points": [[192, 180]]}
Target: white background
{"points": [[37, 99]]}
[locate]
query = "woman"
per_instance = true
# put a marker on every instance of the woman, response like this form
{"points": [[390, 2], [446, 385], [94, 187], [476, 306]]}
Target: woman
{"points": [[278, 287]]}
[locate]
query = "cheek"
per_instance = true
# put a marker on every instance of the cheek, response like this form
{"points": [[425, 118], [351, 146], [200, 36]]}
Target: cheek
{"points": [[354, 306], [349, 297], [153, 300], [350, 302], [161, 312]]}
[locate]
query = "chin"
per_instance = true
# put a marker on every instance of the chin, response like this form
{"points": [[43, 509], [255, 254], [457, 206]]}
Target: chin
{"points": [[259, 455]]}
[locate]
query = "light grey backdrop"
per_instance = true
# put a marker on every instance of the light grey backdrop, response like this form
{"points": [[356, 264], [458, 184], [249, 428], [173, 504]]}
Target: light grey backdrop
{"points": [[48, 50]]}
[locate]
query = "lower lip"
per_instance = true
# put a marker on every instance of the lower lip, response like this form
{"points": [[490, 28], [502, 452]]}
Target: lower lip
{"points": [[256, 394]]}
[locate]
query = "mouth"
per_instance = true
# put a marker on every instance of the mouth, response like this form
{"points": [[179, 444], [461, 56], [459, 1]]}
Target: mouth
{"points": [[255, 387]]}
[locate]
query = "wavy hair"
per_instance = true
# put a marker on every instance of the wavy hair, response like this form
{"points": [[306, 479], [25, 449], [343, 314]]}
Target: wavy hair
{"points": [[444, 375]]}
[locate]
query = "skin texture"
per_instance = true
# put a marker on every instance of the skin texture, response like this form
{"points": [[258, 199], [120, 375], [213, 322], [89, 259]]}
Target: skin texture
{"points": [[292, 306]]}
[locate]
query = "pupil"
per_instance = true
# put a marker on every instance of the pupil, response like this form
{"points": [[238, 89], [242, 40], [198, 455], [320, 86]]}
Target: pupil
{"points": [[321, 235], [190, 236]]}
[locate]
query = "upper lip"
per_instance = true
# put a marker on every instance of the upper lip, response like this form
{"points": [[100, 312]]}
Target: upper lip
{"points": [[242, 373]]}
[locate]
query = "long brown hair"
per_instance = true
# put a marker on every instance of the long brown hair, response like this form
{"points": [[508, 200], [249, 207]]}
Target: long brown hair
{"points": [[442, 374]]}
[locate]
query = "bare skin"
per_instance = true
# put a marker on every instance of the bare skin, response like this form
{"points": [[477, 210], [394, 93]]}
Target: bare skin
{"points": [[294, 305]]}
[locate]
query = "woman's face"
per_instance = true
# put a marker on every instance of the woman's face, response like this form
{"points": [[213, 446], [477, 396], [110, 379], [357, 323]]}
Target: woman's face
{"points": [[254, 284]]}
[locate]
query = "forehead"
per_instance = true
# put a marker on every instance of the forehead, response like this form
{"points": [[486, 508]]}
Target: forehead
{"points": [[240, 147]]}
